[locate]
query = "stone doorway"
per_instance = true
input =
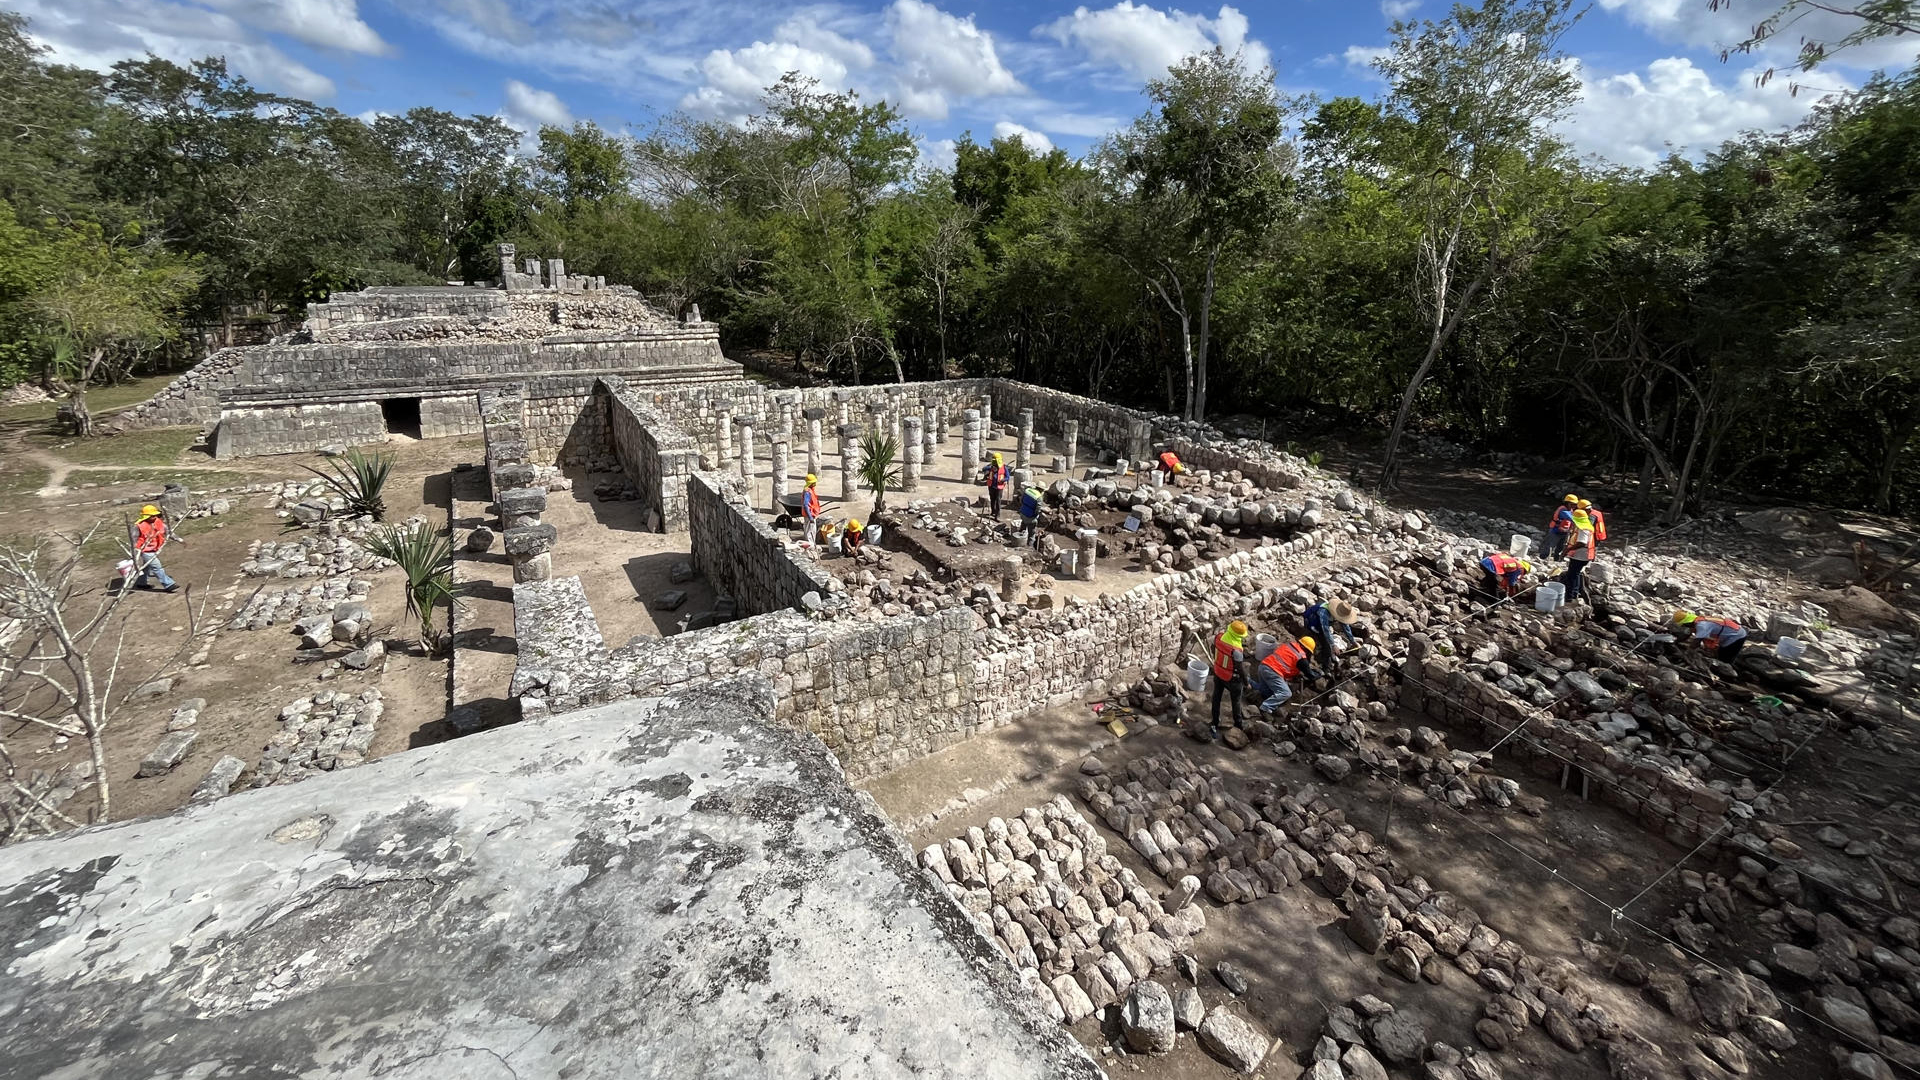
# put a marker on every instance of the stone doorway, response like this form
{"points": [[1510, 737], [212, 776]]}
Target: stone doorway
{"points": [[402, 416]]}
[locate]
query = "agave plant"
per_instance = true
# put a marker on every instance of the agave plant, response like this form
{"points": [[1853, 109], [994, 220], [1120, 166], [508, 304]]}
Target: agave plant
{"points": [[879, 467], [426, 557], [360, 479]]}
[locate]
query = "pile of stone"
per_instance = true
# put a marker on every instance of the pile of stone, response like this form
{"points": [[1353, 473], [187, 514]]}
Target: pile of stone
{"points": [[1079, 925], [1363, 1037], [330, 547], [273, 607], [320, 733]]}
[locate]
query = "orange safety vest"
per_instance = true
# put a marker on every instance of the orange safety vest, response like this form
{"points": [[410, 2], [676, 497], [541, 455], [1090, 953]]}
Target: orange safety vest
{"points": [[149, 536], [1223, 656], [1503, 563], [1599, 522], [1170, 462], [810, 506], [1285, 660], [1557, 524], [1724, 625], [1591, 534]]}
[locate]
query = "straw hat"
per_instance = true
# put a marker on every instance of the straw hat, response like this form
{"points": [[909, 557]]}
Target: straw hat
{"points": [[1342, 612]]}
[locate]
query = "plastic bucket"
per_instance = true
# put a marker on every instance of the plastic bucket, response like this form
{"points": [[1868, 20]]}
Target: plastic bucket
{"points": [[1518, 545], [873, 535], [1789, 648], [1549, 596], [1263, 646], [1196, 675], [1069, 562]]}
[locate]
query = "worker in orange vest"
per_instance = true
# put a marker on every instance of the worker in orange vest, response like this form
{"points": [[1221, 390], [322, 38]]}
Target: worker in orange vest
{"points": [[1229, 653], [810, 508], [997, 475], [1579, 554], [149, 536], [1170, 464], [1599, 520], [1271, 680], [1721, 639], [1502, 574], [1559, 528]]}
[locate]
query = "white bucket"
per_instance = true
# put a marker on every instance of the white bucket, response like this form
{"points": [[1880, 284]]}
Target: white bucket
{"points": [[1069, 562], [1789, 648], [1518, 545], [873, 535], [1196, 675], [1263, 646], [1549, 595]]}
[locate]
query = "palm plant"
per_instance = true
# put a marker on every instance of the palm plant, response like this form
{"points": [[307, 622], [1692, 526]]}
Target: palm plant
{"points": [[879, 467], [426, 557], [359, 479]]}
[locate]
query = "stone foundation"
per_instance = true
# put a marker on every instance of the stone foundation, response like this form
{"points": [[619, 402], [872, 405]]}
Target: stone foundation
{"points": [[742, 557]]}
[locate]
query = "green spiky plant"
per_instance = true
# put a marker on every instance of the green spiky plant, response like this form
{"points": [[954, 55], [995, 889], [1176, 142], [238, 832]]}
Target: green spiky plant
{"points": [[879, 467], [426, 558], [360, 479]]}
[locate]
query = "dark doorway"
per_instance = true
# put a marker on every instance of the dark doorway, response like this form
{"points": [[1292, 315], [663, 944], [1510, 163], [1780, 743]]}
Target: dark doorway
{"points": [[402, 416]]}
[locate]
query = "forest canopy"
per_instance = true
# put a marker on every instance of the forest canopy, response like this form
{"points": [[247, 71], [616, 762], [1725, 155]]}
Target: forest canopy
{"points": [[1741, 323]]}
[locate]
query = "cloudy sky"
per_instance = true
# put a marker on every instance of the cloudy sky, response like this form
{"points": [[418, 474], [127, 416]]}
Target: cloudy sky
{"points": [[1049, 72]]}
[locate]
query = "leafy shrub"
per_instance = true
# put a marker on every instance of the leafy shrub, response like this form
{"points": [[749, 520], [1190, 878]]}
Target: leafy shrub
{"points": [[360, 480]]}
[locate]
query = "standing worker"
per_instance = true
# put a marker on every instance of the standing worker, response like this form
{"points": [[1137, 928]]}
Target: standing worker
{"points": [[1599, 520], [996, 476], [1229, 652], [1502, 574], [1559, 528], [1294, 660], [810, 508], [1031, 501], [1721, 639], [149, 536], [1579, 554]]}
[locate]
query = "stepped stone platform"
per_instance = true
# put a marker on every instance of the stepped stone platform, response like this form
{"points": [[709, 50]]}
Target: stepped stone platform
{"points": [[652, 888]]}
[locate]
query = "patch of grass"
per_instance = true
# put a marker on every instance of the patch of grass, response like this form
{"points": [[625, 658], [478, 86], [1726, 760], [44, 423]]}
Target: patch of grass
{"points": [[21, 477], [102, 401], [154, 446]]}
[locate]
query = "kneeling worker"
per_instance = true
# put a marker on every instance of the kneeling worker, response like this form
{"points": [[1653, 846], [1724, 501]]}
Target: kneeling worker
{"points": [[1294, 660], [855, 537], [1721, 639], [1502, 573]]}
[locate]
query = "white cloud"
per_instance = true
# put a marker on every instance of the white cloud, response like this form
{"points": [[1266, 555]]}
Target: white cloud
{"points": [[330, 24], [1036, 142], [1637, 118], [937, 154], [97, 33], [1084, 125], [1396, 10], [1693, 22], [529, 109], [733, 80], [1361, 57], [941, 56], [1144, 41]]}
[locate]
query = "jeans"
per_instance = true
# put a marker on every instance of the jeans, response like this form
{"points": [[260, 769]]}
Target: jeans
{"points": [[1032, 527], [1229, 687], [149, 564], [1576, 569], [993, 500], [1553, 545], [1272, 690]]}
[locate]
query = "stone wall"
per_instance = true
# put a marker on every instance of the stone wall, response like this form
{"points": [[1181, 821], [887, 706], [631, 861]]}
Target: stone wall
{"points": [[1124, 432], [742, 556], [193, 398], [288, 429], [1268, 471], [383, 302], [448, 416], [657, 456]]}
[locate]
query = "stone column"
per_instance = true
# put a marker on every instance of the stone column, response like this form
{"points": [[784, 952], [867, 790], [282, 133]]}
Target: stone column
{"points": [[930, 439], [746, 454], [1023, 454], [505, 251], [533, 268], [723, 422], [556, 272], [915, 453], [1089, 544], [986, 416], [814, 416], [1071, 436], [531, 549], [842, 398], [936, 423], [849, 461], [969, 445], [780, 463], [1010, 573], [787, 408]]}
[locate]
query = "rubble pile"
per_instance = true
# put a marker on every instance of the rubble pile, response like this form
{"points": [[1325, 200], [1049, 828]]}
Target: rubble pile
{"points": [[1081, 927], [328, 547], [320, 733], [272, 607]]}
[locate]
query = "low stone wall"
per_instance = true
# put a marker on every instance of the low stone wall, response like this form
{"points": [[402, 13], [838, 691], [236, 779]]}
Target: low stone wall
{"points": [[292, 429], [657, 456], [383, 302], [878, 694], [448, 416], [742, 556], [1268, 471], [1124, 432], [1680, 808]]}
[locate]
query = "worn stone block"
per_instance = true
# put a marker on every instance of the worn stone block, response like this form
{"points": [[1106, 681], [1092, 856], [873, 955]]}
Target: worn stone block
{"points": [[167, 753], [531, 540]]}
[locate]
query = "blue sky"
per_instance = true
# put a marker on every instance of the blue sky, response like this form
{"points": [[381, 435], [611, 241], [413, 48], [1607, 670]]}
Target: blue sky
{"points": [[1052, 73]]}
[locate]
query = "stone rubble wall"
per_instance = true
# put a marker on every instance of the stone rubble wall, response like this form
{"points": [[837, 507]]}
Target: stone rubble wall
{"points": [[740, 554], [382, 303], [193, 398], [657, 456], [1273, 473], [296, 428], [1126, 433]]}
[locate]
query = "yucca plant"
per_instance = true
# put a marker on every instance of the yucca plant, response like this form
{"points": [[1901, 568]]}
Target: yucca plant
{"points": [[360, 479], [426, 557], [879, 467]]}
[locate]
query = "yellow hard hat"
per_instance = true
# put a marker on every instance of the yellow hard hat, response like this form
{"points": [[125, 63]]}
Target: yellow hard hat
{"points": [[1581, 520], [1584, 504], [996, 457], [812, 479], [853, 523], [1307, 644], [1682, 618], [1571, 499], [1237, 628], [149, 510]]}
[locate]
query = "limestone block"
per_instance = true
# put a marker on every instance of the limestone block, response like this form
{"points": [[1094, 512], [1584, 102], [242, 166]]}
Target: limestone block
{"points": [[521, 501], [532, 540]]}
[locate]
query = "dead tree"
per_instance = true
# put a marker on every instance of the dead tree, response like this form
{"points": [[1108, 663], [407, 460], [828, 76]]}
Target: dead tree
{"points": [[65, 676]]}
